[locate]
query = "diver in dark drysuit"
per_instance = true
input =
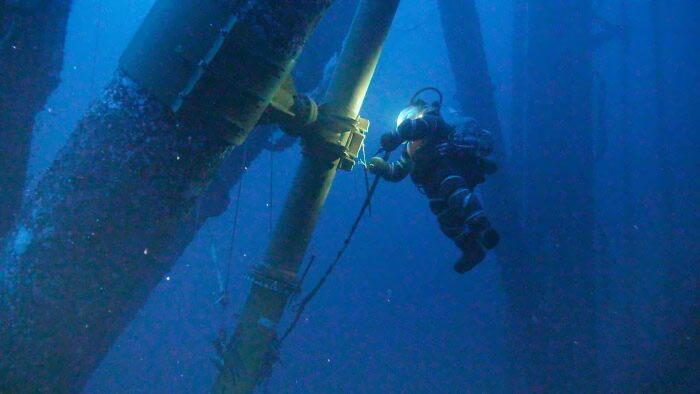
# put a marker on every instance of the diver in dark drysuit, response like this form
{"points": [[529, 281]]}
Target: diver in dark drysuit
{"points": [[446, 163]]}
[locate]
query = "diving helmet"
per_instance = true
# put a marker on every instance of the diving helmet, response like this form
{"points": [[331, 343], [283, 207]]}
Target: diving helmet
{"points": [[418, 107]]}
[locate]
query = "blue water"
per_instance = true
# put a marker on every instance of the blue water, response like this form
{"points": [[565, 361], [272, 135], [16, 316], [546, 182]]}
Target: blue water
{"points": [[394, 317]]}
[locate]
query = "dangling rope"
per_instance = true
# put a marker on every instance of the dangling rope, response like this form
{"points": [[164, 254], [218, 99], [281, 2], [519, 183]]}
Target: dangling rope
{"points": [[303, 276], [366, 173], [339, 255], [308, 268], [223, 299], [222, 336], [269, 204]]}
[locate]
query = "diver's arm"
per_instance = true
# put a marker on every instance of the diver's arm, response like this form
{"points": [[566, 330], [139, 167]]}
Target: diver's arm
{"points": [[391, 141], [392, 172], [400, 168]]}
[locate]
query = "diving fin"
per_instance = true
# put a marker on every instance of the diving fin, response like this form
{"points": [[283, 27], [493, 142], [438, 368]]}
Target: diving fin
{"points": [[471, 256]]}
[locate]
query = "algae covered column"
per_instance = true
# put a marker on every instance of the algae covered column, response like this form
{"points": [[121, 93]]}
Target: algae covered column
{"points": [[252, 350], [88, 247]]}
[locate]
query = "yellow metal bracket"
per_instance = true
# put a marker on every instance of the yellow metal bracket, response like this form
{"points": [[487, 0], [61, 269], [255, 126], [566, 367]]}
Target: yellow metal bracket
{"points": [[275, 279], [325, 133]]}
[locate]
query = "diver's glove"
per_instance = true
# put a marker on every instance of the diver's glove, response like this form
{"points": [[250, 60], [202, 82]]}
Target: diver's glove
{"points": [[378, 166], [391, 141]]}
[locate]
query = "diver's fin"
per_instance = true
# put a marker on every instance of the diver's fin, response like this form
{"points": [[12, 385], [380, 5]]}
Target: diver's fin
{"points": [[470, 258]]}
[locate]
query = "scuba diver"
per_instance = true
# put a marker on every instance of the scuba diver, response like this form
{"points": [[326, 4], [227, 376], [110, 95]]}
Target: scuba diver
{"points": [[446, 163]]}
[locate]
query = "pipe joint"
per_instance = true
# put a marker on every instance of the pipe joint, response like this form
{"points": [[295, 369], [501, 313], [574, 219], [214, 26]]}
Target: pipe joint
{"points": [[335, 137], [275, 279]]}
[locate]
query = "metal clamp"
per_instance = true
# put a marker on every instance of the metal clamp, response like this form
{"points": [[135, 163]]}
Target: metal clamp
{"points": [[353, 141], [327, 134], [275, 279]]}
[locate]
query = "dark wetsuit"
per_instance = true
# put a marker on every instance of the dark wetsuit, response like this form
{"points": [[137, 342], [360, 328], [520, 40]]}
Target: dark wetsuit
{"points": [[447, 171]]}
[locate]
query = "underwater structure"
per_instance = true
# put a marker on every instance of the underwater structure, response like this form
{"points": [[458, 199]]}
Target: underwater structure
{"points": [[207, 107], [86, 250], [206, 87], [331, 142], [311, 75]]}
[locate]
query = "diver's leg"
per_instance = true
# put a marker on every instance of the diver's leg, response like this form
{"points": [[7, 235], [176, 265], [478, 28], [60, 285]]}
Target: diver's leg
{"points": [[463, 219], [463, 203]]}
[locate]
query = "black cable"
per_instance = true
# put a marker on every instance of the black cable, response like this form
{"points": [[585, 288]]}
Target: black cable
{"points": [[329, 270], [369, 208], [224, 297], [308, 267], [269, 210], [303, 276]]}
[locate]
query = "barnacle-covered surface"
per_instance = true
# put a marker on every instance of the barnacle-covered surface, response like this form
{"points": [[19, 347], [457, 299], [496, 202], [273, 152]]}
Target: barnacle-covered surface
{"points": [[87, 248]]}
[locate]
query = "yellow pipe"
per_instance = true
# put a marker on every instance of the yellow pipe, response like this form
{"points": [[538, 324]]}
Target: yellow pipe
{"points": [[252, 350]]}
